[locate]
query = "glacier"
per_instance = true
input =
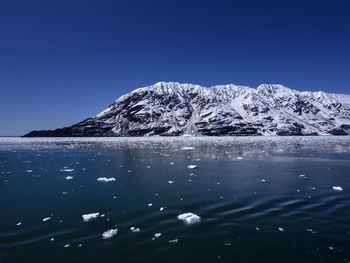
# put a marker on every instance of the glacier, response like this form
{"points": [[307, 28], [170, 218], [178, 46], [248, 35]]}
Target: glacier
{"points": [[176, 109]]}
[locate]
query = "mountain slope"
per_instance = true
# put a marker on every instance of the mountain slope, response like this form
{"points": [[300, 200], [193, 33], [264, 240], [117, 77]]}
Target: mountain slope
{"points": [[171, 108]]}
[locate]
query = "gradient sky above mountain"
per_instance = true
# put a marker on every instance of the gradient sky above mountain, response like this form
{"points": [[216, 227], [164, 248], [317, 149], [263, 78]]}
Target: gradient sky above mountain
{"points": [[63, 61]]}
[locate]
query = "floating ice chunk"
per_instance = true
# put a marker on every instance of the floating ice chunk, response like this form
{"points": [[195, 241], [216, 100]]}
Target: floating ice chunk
{"points": [[161, 209], [280, 229], [150, 204], [91, 216], [189, 218], [148, 166], [156, 235], [187, 148], [67, 170], [257, 228], [69, 177], [80, 245], [192, 166], [134, 229], [171, 163], [173, 240], [171, 182], [337, 188], [311, 230], [52, 239], [228, 244], [331, 248], [239, 158], [67, 245], [109, 233], [46, 219], [263, 180], [302, 176], [105, 179], [29, 171], [19, 223]]}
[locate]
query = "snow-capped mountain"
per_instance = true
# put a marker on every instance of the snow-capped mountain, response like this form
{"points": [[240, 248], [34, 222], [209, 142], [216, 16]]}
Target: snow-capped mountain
{"points": [[171, 108]]}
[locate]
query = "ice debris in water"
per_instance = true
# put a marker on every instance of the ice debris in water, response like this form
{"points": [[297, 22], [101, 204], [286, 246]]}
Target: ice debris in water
{"points": [[149, 204], [19, 223], [156, 235], [189, 218], [187, 148], [67, 245], [337, 188], [171, 182], [161, 209], [52, 239], [134, 229], [67, 170], [46, 219], [29, 171], [91, 216], [109, 233], [192, 166], [69, 177], [173, 240], [281, 229], [105, 179]]}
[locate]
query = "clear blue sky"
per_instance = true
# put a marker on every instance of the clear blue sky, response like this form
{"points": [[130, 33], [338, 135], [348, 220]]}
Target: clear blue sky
{"points": [[63, 61]]}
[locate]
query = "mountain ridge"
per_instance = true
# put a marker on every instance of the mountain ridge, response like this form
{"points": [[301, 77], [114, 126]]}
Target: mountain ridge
{"points": [[173, 109]]}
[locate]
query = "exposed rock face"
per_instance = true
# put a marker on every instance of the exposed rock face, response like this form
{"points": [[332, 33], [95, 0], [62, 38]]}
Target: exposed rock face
{"points": [[171, 109]]}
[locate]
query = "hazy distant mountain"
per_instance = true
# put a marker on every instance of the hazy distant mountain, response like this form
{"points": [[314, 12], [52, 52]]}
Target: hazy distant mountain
{"points": [[171, 108]]}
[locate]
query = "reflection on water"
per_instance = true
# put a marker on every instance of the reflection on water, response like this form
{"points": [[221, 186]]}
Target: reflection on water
{"points": [[265, 199]]}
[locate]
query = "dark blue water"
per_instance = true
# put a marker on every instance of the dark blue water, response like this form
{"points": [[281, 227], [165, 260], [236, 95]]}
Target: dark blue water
{"points": [[259, 199]]}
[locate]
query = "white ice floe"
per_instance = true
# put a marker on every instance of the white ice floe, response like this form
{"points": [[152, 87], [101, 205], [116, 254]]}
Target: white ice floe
{"points": [[192, 166], [69, 177], [134, 229], [150, 204], [281, 229], [161, 209], [52, 239], [67, 245], [105, 179], [46, 219], [156, 235], [187, 148], [311, 231], [173, 240], [263, 180], [19, 223], [239, 158], [29, 171], [67, 170], [337, 188], [109, 233], [302, 176], [171, 182], [91, 216], [189, 218]]}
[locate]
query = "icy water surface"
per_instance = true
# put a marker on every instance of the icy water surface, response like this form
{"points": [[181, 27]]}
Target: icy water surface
{"points": [[261, 199]]}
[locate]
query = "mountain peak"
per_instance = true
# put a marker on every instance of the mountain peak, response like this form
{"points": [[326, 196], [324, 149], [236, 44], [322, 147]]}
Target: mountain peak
{"points": [[173, 108]]}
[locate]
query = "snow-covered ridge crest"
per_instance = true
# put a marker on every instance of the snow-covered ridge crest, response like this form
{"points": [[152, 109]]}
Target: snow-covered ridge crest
{"points": [[173, 108]]}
